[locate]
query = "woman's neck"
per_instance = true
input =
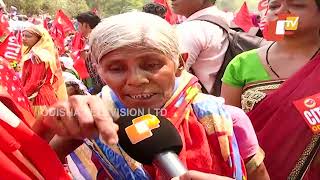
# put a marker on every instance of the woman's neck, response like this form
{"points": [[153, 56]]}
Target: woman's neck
{"points": [[298, 44]]}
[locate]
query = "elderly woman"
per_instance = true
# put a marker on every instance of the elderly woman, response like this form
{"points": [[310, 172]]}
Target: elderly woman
{"points": [[140, 63], [41, 75]]}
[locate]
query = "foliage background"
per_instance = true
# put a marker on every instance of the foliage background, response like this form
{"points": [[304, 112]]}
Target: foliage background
{"points": [[104, 7]]}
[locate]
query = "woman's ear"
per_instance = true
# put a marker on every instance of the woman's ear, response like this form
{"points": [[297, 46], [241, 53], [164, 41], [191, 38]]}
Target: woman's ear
{"points": [[182, 59], [96, 67]]}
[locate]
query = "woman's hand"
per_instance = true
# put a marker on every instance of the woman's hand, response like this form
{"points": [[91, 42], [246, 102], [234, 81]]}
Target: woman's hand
{"points": [[82, 117], [196, 175]]}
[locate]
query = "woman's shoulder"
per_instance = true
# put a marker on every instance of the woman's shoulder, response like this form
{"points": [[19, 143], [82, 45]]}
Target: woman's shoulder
{"points": [[240, 67], [206, 104], [246, 57], [245, 61], [203, 98], [236, 113]]}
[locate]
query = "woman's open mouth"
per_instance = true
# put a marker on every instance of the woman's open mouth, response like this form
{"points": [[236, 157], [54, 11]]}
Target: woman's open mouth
{"points": [[143, 96]]}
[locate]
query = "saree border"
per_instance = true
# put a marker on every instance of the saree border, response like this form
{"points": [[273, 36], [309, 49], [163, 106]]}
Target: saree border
{"points": [[255, 161], [265, 83], [298, 169], [255, 92]]}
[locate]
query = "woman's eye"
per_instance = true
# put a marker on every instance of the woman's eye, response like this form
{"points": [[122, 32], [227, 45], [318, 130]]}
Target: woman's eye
{"points": [[116, 69], [274, 6], [152, 66]]}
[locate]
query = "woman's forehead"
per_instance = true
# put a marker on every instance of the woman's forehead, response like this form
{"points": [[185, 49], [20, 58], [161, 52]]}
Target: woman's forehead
{"points": [[30, 33], [27, 32], [132, 52]]}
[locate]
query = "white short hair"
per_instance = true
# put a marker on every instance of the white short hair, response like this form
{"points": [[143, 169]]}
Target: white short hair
{"points": [[132, 29]]}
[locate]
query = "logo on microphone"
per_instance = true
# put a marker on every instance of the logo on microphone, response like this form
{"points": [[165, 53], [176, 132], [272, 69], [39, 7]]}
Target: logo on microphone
{"points": [[141, 128]]}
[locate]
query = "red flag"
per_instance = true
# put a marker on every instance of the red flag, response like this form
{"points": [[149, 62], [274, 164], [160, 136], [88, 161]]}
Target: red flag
{"points": [[61, 26], [78, 45], [243, 18], [10, 49], [58, 37], [170, 16], [64, 21], [81, 68]]}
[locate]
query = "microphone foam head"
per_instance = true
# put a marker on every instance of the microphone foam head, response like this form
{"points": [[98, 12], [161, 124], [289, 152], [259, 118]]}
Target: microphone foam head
{"points": [[144, 137]]}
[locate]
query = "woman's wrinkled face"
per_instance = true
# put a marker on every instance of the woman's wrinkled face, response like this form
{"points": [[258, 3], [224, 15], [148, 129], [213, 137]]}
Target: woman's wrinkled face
{"points": [[29, 39], [141, 77], [307, 11]]}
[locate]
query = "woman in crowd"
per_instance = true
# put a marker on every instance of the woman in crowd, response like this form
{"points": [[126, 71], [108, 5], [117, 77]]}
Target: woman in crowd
{"points": [[139, 60], [23, 154], [41, 76], [266, 82], [72, 80]]}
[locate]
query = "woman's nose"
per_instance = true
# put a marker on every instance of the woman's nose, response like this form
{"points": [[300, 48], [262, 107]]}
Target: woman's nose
{"points": [[137, 78]]}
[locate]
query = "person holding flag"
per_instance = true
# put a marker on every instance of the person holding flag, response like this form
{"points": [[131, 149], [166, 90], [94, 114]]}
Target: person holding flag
{"points": [[41, 75], [87, 21]]}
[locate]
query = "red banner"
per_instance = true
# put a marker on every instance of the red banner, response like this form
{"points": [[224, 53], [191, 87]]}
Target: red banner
{"points": [[309, 108], [10, 49]]}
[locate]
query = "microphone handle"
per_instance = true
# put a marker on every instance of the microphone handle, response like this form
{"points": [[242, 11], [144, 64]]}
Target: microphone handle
{"points": [[169, 164]]}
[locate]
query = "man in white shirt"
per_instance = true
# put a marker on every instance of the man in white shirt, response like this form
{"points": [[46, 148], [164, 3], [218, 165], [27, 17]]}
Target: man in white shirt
{"points": [[205, 42]]}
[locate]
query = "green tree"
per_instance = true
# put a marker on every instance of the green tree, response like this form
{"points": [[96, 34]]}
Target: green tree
{"points": [[111, 7], [105, 7], [70, 7], [234, 5], [26, 6]]}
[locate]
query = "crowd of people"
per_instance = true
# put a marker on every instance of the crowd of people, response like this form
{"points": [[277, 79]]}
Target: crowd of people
{"points": [[59, 106]]}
